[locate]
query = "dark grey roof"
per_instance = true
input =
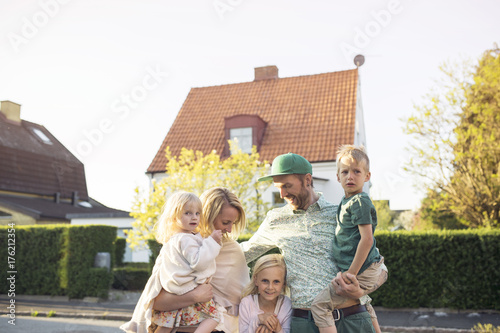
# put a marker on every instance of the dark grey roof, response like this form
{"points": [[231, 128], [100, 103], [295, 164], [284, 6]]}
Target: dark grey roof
{"points": [[33, 161], [44, 208]]}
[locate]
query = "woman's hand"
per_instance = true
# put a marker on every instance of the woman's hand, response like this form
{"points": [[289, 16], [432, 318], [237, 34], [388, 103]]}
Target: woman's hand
{"points": [[203, 293], [166, 301]]}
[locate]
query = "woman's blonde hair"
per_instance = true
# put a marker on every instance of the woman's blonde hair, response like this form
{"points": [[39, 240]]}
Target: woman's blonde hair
{"points": [[168, 224], [267, 261], [213, 201]]}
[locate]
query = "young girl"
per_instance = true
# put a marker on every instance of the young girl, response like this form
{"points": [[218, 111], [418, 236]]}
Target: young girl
{"points": [[185, 261], [264, 304]]}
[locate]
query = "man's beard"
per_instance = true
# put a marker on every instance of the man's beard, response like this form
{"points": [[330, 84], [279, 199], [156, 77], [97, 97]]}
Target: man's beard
{"points": [[301, 200]]}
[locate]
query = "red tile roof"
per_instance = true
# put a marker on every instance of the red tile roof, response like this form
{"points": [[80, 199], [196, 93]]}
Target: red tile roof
{"points": [[308, 115]]}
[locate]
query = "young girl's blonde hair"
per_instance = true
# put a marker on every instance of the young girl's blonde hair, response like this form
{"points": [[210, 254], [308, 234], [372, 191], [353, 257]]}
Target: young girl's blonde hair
{"points": [[213, 201], [169, 222], [267, 261]]}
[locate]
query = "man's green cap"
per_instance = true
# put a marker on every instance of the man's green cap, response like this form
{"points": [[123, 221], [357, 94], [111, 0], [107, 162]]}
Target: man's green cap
{"points": [[288, 164]]}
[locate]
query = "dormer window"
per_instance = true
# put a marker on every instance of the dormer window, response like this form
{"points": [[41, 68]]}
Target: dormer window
{"points": [[244, 138], [41, 136], [247, 129]]}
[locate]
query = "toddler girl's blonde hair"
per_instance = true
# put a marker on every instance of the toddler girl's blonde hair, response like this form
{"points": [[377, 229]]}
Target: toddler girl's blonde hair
{"points": [[267, 261], [357, 153], [169, 222]]}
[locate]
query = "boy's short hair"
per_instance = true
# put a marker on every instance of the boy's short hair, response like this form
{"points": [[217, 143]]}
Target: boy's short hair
{"points": [[357, 153]]}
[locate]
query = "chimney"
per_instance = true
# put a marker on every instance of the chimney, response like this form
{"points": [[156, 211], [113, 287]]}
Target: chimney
{"points": [[11, 110], [74, 198], [266, 73]]}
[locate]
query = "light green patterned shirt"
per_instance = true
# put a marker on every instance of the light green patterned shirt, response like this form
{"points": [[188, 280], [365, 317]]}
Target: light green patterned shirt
{"points": [[305, 239]]}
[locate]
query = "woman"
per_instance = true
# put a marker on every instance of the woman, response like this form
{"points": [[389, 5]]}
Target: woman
{"points": [[223, 211]]}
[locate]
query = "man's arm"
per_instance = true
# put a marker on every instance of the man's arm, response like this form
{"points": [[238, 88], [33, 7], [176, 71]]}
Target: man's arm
{"points": [[166, 301], [259, 243]]}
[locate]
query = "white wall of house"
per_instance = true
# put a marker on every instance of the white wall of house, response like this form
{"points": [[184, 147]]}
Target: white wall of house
{"points": [[122, 224]]}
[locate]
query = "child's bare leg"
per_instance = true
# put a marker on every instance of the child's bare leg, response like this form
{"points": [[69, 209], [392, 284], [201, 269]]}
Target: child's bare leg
{"points": [[376, 326], [162, 329], [206, 326], [330, 329]]}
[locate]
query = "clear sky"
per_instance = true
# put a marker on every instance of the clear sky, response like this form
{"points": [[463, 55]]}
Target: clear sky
{"points": [[107, 78]]}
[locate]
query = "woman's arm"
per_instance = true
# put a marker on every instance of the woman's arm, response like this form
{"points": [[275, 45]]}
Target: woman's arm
{"points": [[166, 301]]}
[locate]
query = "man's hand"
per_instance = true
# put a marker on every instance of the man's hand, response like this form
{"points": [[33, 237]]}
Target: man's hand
{"points": [[203, 293], [346, 278], [352, 291]]}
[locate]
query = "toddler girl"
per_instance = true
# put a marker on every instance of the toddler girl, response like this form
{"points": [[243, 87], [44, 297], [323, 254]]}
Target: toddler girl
{"points": [[185, 261], [264, 304]]}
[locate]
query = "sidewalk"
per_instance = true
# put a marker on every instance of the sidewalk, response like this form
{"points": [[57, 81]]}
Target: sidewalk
{"points": [[120, 306]]}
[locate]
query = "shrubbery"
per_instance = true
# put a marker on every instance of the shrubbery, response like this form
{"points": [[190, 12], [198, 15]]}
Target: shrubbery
{"points": [[440, 269], [59, 260]]}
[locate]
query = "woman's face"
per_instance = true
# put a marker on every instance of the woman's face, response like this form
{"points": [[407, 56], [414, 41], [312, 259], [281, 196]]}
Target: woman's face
{"points": [[225, 220]]}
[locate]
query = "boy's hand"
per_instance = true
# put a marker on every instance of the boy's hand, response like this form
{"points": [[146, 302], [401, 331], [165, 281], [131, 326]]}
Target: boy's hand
{"points": [[217, 236]]}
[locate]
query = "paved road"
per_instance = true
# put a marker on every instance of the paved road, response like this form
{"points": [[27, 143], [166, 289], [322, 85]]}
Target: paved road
{"points": [[121, 305], [59, 325]]}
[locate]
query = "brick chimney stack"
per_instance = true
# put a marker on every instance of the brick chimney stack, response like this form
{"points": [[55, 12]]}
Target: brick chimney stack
{"points": [[266, 73], [11, 110]]}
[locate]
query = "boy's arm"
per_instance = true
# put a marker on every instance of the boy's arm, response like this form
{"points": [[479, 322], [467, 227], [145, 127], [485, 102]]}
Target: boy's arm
{"points": [[363, 249]]}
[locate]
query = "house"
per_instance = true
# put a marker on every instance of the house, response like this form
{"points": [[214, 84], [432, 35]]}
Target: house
{"points": [[309, 115], [42, 182]]}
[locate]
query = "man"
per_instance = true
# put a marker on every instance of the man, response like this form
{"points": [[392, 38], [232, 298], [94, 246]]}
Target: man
{"points": [[303, 230]]}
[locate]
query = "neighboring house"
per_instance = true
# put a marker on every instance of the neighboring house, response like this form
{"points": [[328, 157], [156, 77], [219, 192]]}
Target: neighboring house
{"points": [[42, 182], [309, 115]]}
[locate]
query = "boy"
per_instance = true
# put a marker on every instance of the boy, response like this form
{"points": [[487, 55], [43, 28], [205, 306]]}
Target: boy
{"points": [[354, 244]]}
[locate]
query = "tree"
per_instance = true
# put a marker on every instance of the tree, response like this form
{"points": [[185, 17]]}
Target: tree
{"points": [[194, 172], [435, 214], [474, 189], [385, 215], [455, 151]]}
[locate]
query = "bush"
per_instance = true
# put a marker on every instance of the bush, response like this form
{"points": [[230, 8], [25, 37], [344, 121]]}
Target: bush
{"points": [[130, 277], [453, 269], [434, 269], [59, 259], [487, 328], [120, 246]]}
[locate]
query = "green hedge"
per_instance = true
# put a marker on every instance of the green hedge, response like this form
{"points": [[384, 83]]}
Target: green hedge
{"points": [[59, 259], [130, 278], [435, 269], [456, 269], [120, 245]]}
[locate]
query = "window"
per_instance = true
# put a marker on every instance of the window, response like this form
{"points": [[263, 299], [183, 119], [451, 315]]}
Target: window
{"points": [[243, 136], [41, 136], [277, 200], [248, 129]]}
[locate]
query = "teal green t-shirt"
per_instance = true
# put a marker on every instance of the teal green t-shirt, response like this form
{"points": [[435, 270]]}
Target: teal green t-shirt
{"points": [[351, 212]]}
